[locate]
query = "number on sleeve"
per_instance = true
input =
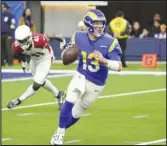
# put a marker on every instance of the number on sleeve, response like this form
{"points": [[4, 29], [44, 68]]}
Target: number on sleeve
{"points": [[36, 38]]}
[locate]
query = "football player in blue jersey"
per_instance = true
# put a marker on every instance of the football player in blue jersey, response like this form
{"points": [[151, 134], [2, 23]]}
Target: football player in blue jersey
{"points": [[98, 52]]}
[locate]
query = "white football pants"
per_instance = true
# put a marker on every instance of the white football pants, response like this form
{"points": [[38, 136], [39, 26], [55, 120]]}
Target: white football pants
{"points": [[40, 69], [82, 93]]}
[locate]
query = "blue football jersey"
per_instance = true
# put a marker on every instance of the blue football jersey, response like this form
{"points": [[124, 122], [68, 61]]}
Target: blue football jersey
{"points": [[88, 66]]}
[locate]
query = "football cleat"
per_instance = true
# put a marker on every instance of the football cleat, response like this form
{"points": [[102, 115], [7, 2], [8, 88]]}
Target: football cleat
{"points": [[61, 98], [13, 103], [57, 138]]}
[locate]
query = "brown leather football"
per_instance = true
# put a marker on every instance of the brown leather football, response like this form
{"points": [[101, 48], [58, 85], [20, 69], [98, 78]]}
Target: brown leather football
{"points": [[70, 54]]}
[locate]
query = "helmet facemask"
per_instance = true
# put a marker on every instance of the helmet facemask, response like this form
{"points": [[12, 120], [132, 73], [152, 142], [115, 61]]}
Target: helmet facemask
{"points": [[98, 28], [26, 42]]}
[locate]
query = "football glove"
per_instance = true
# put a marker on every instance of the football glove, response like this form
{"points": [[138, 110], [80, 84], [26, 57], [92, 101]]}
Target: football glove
{"points": [[63, 44]]}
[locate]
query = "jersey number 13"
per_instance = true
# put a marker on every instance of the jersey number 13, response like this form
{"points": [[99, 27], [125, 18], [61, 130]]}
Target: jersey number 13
{"points": [[93, 66]]}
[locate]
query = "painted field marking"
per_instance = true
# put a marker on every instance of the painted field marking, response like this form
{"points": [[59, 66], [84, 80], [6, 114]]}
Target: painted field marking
{"points": [[133, 93], [152, 142], [71, 72], [32, 105], [6, 139], [141, 116], [84, 115], [72, 141], [105, 96], [30, 78], [25, 114]]}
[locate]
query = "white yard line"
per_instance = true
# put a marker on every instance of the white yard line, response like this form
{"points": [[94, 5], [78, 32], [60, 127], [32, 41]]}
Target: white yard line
{"points": [[152, 142], [85, 115], [141, 116], [51, 71], [71, 72], [105, 96], [72, 141], [133, 93], [32, 105], [6, 139], [30, 78], [25, 114]]}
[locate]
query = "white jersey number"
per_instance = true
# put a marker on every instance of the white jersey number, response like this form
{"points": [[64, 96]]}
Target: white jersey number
{"points": [[36, 38]]}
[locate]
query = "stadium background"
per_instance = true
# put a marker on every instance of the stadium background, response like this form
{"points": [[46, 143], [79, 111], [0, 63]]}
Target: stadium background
{"points": [[61, 18]]}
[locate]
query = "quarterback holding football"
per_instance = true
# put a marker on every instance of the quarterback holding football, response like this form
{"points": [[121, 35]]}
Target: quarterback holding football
{"points": [[97, 52], [37, 46]]}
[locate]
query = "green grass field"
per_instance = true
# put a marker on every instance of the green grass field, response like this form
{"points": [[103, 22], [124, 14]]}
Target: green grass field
{"points": [[127, 119]]}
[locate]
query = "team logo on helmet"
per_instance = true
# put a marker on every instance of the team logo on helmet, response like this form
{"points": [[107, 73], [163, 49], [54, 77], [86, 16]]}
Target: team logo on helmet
{"points": [[95, 22]]}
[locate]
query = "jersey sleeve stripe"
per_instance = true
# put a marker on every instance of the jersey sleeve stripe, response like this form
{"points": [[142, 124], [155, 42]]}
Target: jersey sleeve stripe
{"points": [[113, 45], [73, 39]]}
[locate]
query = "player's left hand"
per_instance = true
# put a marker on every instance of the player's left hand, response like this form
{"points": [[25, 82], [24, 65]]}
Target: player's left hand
{"points": [[62, 44], [99, 57]]}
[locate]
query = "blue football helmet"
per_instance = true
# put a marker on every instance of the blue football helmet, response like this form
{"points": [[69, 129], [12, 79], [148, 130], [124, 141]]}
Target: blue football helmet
{"points": [[93, 16]]}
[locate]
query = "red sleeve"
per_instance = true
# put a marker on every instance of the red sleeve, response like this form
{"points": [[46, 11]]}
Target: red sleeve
{"points": [[41, 41], [45, 40], [46, 43], [16, 47]]}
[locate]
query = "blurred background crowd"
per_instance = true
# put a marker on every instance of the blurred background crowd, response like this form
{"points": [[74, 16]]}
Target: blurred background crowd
{"points": [[126, 21], [156, 28]]}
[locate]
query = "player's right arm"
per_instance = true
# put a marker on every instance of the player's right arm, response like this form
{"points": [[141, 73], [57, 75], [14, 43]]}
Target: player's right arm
{"points": [[114, 56]]}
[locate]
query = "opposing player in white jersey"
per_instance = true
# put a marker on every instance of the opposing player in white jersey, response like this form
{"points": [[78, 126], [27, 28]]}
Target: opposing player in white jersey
{"points": [[37, 46]]}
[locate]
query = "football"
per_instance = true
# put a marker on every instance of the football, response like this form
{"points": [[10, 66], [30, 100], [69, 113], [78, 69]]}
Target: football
{"points": [[70, 54]]}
